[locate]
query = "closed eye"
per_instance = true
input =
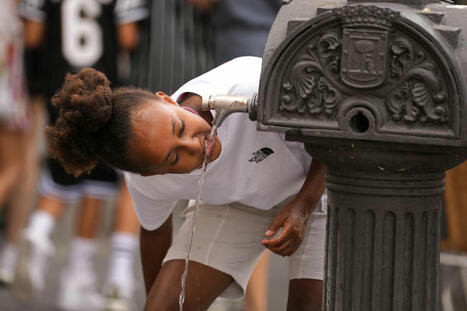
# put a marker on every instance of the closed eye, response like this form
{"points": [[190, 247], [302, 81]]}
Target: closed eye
{"points": [[175, 161], [180, 134], [182, 128]]}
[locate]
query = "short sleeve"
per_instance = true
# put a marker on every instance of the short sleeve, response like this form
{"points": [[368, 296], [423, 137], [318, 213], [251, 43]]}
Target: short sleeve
{"points": [[151, 213], [130, 11], [299, 151], [34, 10]]}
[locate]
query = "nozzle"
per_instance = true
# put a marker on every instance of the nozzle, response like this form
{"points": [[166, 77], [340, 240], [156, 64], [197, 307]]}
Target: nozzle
{"points": [[224, 105]]}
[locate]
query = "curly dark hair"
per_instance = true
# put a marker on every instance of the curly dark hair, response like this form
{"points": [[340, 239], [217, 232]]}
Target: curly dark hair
{"points": [[94, 123]]}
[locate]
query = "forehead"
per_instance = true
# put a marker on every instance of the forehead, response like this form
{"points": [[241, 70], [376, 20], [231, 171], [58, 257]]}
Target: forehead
{"points": [[147, 112], [152, 134]]}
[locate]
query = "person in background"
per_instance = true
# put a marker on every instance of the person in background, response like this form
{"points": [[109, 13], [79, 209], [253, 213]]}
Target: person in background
{"points": [[75, 34], [14, 131], [119, 287], [241, 27], [119, 284]]}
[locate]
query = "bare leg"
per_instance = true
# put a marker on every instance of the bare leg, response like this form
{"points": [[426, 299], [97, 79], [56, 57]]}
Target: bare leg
{"points": [[51, 205], [305, 295], [203, 285], [125, 216], [119, 288], [77, 290], [10, 162], [36, 248], [89, 217], [257, 289], [24, 194], [11, 152]]}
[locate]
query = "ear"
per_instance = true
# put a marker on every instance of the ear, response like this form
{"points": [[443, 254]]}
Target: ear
{"points": [[166, 98]]}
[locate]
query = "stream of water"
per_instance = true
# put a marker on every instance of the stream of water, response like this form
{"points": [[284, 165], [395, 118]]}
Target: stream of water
{"points": [[207, 147]]}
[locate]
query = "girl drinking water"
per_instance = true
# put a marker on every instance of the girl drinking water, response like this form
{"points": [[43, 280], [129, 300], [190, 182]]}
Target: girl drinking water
{"points": [[259, 191]]}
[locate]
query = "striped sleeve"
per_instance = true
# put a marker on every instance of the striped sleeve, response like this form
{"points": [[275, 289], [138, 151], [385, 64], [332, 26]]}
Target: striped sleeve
{"points": [[130, 11]]}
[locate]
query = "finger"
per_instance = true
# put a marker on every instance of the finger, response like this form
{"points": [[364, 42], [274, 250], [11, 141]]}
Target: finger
{"points": [[285, 247], [287, 233], [274, 226], [281, 247], [292, 249]]}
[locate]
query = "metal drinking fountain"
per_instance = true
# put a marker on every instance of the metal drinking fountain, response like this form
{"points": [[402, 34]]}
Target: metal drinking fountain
{"points": [[376, 91]]}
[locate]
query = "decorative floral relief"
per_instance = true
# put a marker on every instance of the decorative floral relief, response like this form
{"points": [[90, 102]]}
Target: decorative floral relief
{"points": [[308, 88], [418, 94], [315, 84]]}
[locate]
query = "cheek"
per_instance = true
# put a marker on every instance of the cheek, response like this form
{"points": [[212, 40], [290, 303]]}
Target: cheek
{"points": [[194, 122], [187, 163]]}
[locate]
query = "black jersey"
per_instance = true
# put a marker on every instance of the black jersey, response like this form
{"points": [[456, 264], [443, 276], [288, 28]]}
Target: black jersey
{"points": [[80, 33]]}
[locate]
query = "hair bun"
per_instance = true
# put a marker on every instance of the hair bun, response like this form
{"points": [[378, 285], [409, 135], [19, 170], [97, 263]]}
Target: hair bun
{"points": [[84, 102]]}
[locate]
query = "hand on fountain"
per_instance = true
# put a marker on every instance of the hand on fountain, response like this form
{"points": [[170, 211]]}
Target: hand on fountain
{"points": [[293, 219]]}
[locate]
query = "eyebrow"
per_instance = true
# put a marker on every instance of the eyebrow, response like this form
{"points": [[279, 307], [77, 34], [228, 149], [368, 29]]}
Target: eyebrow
{"points": [[173, 125], [182, 127], [166, 160]]}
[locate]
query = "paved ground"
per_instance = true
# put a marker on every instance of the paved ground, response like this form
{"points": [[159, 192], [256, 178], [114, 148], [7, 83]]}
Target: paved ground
{"points": [[277, 280]]}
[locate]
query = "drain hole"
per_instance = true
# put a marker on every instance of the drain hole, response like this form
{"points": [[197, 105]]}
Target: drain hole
{"points": [[359, 123]]}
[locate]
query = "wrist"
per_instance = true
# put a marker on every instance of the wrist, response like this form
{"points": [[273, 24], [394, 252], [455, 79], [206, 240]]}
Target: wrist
{"points": [[308, 202]]}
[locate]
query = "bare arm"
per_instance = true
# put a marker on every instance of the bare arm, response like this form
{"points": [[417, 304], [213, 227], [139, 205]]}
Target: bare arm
{"points": [[33, 34], [203, 5], [127, 36], [154, 246]]}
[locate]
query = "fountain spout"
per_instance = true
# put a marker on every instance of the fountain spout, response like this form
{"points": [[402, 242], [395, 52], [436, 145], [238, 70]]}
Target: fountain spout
{"points": [[224, 105]]}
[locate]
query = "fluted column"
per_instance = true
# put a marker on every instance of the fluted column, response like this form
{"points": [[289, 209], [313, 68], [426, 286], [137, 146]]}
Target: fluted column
{"points": [[383, 242]]}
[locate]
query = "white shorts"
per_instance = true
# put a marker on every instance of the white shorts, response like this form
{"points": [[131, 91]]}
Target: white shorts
{"points": [[228, 238]]}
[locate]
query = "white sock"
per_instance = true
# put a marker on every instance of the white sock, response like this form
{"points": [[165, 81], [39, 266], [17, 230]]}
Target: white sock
{"points": [[81, 256], [41, 223], [121, 269], [8, 257]]}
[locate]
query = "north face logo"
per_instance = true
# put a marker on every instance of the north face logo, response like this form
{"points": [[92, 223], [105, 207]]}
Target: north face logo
{"points": [[261, 154]]}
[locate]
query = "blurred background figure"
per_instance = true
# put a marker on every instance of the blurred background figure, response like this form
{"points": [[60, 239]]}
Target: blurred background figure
{"points": [[119, 288], [241, 27], [74, 34], [14, 129]]}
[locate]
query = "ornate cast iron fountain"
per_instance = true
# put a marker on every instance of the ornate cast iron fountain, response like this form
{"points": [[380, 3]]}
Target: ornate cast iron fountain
{"points": [[377, 92]]}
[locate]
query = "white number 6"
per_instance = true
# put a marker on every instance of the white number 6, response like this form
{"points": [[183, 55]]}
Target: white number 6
{"points": [[81, 34]]}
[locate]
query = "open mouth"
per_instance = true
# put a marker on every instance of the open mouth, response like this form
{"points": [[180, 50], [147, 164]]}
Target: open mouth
{"points": [[208, 146]]}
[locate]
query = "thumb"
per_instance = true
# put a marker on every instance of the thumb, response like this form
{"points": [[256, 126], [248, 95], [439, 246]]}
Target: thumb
{"points": [[274, 226]]}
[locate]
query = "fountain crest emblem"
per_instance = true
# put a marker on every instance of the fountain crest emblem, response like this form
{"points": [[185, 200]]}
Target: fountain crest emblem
{"points": [[364, 44]]}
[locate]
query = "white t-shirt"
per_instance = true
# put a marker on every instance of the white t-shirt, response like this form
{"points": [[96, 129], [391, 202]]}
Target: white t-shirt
{"points": [[259, 169]]}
